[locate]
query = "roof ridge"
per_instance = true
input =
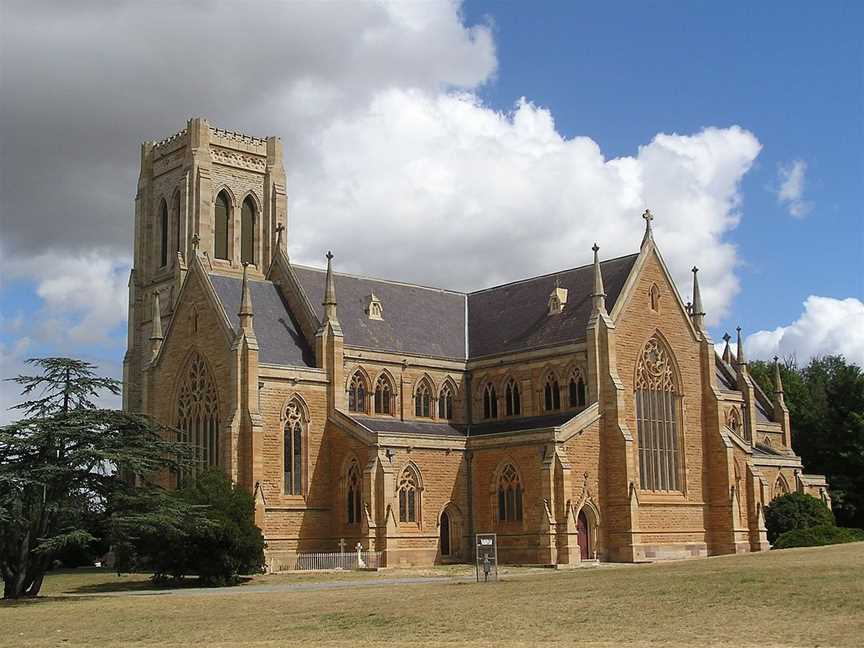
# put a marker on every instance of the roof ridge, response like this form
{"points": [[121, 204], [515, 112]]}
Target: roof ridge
{"points": [[381, 280], [552, 274]]}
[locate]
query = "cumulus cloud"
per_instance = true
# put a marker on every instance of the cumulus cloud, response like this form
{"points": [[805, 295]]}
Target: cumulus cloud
{"points": [[791, 191], [435, 188], [83, 298], [826, 326], [392, 160]]}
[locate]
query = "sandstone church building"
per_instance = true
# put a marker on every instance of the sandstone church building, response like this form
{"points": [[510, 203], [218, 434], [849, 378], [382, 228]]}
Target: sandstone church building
{"points": [[581, 415]]}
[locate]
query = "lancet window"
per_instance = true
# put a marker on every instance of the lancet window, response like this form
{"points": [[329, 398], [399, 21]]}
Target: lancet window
{"points": [[658, 419]]}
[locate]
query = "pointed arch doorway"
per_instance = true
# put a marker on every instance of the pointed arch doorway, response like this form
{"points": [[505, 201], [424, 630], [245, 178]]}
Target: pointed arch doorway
{"points": [[444, 535], [584, 536]]}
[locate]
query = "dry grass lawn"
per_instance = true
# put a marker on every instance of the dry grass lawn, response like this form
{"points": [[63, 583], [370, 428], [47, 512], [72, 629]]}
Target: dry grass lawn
{"points": [[797, 597]]}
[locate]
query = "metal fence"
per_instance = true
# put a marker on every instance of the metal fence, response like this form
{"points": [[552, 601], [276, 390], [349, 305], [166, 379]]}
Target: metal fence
{"points": [[347, 560]]}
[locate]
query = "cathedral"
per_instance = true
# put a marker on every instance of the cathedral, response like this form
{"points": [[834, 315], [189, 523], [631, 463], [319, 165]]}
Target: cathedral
{"points": [[580, 416]]}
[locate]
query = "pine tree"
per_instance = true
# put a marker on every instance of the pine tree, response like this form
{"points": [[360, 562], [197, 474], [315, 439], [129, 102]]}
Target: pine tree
{"points": [[65, 458]]}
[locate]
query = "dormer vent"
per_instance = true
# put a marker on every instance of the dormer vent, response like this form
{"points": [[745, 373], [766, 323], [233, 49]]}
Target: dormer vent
{"points": [[557, 299], [374, 309]]}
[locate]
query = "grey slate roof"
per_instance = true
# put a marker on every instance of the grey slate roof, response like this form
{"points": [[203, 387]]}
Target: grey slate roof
{"points": [[393, 425], [417, 320], [430, 321], [515, 316], [280, 341], [528, 423]]}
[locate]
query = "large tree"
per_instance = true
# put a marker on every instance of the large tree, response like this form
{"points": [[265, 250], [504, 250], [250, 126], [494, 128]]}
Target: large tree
{"points": [[826, 407], [64, 459]]}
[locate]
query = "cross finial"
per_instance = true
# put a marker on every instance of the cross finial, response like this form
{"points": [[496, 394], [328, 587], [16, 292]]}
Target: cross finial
{"points": [[726, 337], [279, 229], [329, 255], [694, 270], [196, 240], [595, 247], [776, 359], [648, 216]]}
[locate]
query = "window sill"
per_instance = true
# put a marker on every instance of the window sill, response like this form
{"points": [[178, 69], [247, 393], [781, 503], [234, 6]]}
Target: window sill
{"points": [[658, 497]]}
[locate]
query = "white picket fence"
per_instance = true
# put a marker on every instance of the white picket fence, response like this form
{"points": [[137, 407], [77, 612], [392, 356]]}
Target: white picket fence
{"points": [[338, 560]]}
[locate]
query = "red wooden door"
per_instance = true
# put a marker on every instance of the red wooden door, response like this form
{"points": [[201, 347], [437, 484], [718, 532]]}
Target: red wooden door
{"points": [[584, 540]]}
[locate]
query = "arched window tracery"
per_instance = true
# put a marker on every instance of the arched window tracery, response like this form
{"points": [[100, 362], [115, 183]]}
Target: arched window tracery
{"points": [[292, 458], [445, 402], [409, 495], [577, 390], [198, 412], [423, 400], [383, 395], [353, 498], [357, 393], [658, 419], [513, 398], [247, 231], [490, 402], [509, 495], [551, 393], [220, 226]]}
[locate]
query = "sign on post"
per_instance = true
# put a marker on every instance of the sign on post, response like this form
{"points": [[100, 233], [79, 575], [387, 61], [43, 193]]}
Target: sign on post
{"points": [[486, 553]]}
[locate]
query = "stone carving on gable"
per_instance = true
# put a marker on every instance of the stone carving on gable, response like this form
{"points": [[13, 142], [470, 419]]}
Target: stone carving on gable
{"points": [[733, 421]]}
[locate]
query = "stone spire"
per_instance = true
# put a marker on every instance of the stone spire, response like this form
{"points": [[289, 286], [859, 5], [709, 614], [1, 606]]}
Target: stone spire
{"points": [[156, 336], [598, 297], [740, 359], [727, 350], [778, 383], [649, 232], [245, 313], [698, 313], [330, 292]]}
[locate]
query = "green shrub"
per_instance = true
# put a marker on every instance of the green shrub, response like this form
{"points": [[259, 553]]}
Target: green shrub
{"points": [[817, 536], [205, 529], [795, 511]]}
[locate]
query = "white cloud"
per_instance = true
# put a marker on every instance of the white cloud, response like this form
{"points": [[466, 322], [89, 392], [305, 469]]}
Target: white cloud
{"points": [[827, 326], [791, 192], [439, 188], [84, 297]]}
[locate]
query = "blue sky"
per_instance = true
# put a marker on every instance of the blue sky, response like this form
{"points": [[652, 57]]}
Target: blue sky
{"points": [[791, 73], [529, 128]]}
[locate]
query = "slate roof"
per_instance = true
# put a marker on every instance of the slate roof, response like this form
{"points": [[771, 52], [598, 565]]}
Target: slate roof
{"points": [[515, 316], [432, 322], [280, 341], [526, 424], [417, 320]]}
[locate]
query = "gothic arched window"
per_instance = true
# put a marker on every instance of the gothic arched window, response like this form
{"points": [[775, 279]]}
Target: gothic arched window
{"points": [[657, 418], [409, 496], [357, 393], [247, 231], [509, 495], [445, 402], [198, 411], [383, 393], [163, 234], [780, 486], [293, 449], [423, 400], [352, 492], [176, 212], [577, 389], [490, 402], [513, 398], [220, 226], [551, 394]]}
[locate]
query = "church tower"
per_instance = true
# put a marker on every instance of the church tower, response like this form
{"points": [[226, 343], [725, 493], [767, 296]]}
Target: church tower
{"points": [[206, 191]]}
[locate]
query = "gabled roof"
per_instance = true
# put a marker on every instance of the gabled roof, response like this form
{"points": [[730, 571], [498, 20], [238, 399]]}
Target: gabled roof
{"points": [[279, 339], [432, 322], [416, 321], [514, 317]]}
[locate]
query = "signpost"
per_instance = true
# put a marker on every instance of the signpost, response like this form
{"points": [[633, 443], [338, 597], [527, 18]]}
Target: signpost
{"points": [[486, 554]]}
